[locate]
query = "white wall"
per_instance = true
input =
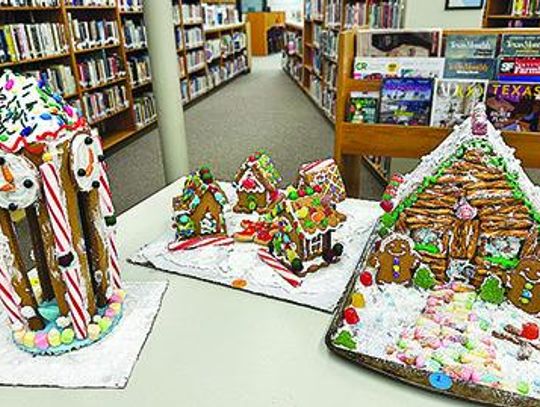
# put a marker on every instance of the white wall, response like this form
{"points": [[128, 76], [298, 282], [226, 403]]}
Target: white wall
{"points": [[290, 7], [431, 13]]}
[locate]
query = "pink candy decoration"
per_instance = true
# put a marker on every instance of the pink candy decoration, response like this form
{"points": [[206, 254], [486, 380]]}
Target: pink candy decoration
{"points": [[41, 341], [9, 84], [110, 313], [68, 110]]}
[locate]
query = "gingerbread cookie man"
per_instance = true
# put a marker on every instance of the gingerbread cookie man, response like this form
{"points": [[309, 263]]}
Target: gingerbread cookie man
{"points": [[395, 260], [524, 285]]}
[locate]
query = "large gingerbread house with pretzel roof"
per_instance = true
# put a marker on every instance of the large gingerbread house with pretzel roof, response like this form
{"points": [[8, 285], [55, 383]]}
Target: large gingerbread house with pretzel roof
{"points": [[52, 168], [470, 213]]}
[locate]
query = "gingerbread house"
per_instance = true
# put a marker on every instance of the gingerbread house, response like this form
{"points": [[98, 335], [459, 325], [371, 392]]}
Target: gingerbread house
{"points": [[52, 168], [305, 226], [198, 211], [468, 212], [256, 183], [323, 174]]}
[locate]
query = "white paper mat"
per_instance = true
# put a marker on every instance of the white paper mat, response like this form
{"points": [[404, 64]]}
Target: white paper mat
{"points": [[223, 265], [106, 364]]}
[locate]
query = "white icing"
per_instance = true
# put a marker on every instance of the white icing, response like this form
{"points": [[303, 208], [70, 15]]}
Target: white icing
{"points": [[249, 175], [28, 312], [86, 157], [63, 322], [18, 182]]}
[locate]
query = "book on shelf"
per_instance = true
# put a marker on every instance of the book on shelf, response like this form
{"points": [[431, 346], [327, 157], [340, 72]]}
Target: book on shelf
{"points": [[220, 14], [514, 107], [184, 86], [87, 34], [399, 43], [356, 14], [239, 40], [92, 3], [134, 34], [454, 100], [144, 107], [466, 68], [363, 107], [29, 3], [520, 45], [406, 101], [471, 46], [104, 103], [131, 5], [140, 70], [329, 45], [195, 60], [212, 49], [193, 37], [525, 8], [385, 14], [179, 37], [58, 77], [99, 69], [517, 69], [26, 41], [399, 67], [192, 13], [332, 14]]}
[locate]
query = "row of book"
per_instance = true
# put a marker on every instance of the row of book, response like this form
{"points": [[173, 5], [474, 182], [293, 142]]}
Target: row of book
{"points": [[87, 34], [19, 42], [144, 107], [293, 67], [356, 14], [130, 5], [99, 105], [525, 8], [332, 14], [192, 13], [313, 10], [29, 3], [227, 45], [181, 66], [329, 71], [329, 44], [194, 37], [59, 77], [220, 14], [510, 57], [195, 60], [446, 103], [176, 14], [385, 14], [179, 38], [86, 3], [99, 69], [328, 101], [135, 33], [198, 85], [140, 70], [293, 39], [212, 49]]}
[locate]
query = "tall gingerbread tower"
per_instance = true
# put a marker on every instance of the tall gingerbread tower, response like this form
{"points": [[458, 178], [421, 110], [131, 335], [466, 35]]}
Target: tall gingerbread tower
{"points": [[51, 167]]}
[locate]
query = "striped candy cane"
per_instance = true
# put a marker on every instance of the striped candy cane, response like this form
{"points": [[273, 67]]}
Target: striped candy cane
{"points": [[198, 242], [279, 268], [56, 209], [107, 209], [9, 299], [75, 299]]}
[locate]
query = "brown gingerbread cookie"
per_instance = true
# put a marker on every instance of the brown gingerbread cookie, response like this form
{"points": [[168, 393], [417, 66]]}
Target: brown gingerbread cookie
{"points": [[524, 285], [395, 260]]}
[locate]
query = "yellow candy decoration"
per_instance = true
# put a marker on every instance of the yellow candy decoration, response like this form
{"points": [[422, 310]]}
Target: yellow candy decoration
{"points": [[28, 339], [18, 336], [358, 300], [302, 212], [93, 331], [54, 337]]}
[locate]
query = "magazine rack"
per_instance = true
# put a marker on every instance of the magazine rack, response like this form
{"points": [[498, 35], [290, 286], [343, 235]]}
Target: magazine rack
{"points": [[353, 141]]}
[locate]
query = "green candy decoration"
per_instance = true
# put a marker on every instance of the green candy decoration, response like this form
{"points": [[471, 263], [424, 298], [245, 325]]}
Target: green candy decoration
{"points": [[309, 191], [387, 197], [293, 195], [492, 290], [388, 220], [383, 231], [424, 279], [346, 340], [67, 336]]}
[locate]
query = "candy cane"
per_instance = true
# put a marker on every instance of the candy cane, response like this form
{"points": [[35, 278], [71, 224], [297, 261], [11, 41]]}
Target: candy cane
{"points": [[198, 242], [55, 207], [279, 268], [9, 298], [63, 242], [75, 299], [113, 260]]}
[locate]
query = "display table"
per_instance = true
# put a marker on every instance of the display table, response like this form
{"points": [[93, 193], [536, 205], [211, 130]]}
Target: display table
{"points": [[213, 346]]}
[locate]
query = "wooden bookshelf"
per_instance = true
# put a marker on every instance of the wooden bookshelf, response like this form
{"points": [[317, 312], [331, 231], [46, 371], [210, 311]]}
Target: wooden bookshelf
{"points": [[500, 14], [118, 125], [353, 141], [203, 70], [261, 24]]}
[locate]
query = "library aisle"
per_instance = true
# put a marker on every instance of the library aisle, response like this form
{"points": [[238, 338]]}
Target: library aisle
{"points": [[261, 110]]}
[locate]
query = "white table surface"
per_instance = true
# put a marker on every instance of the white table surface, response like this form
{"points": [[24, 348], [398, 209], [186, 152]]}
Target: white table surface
{"points": [[213, 346]]}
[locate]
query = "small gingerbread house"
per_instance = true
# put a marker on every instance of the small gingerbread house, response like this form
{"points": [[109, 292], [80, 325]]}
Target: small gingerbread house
{"points": [[323, 174], [470, 212], [305, 227], [52, 168], [256, 183], [198, 211]]}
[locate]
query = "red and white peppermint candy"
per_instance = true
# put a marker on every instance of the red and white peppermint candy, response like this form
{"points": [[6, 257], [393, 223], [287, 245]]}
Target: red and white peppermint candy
{"points": [[114, 262], [279, 268], [198, 242]]}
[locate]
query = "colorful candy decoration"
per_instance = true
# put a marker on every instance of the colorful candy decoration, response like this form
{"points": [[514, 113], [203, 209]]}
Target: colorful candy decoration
{"points": [[323, 177], [260, 232], [390, 192]]}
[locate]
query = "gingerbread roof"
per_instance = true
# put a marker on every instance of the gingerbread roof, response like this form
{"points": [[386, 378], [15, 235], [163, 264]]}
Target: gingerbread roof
{"points": [[311, 214], [263, 169], [478, 137], [195, 186], [31, 114]]}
